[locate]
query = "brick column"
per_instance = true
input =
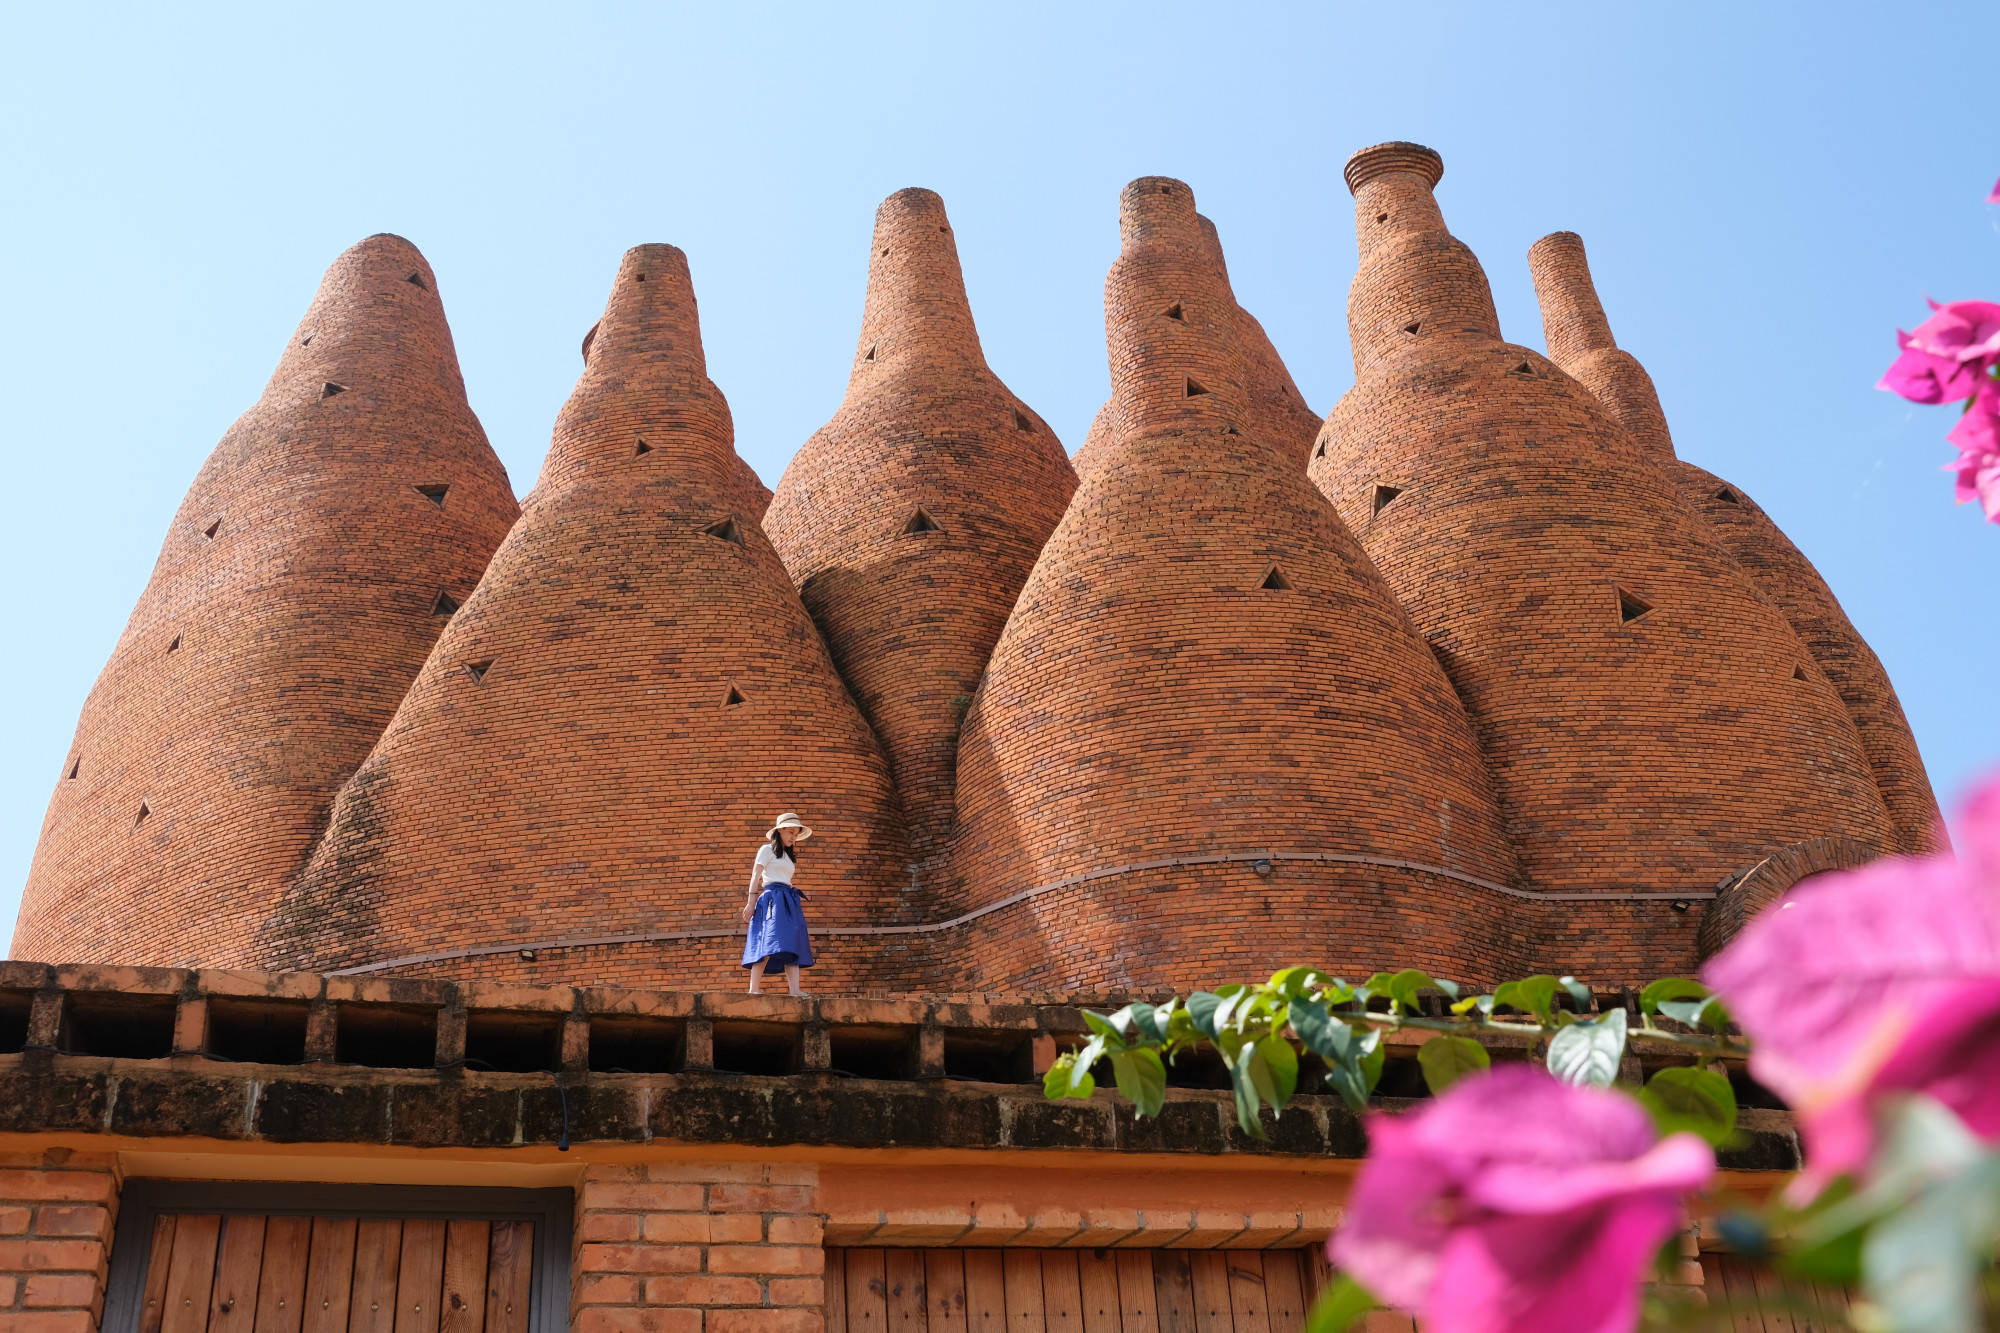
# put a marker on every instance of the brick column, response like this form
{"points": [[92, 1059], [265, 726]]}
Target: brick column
{"points": [[56, 1213], [686, 1248]]}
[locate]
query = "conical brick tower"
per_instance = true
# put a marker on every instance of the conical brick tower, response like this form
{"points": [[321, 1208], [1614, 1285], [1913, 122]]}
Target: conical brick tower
{"points": [[617, 713], [910, 520], [1207, 708], [1580, 341], [1275, 401], [305, 577], [1636, 698]]}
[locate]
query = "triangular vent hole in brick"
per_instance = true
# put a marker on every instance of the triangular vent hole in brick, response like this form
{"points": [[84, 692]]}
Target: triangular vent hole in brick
{"points": [[726, 530], [871, 346], [642, 450], [921, 522], [1174, 312], [76, 768], [1524, 369], [1194, 390], [1275, 581], [329, 389], [175, 646], [478, 670], [144, 810], [1799, 673], [1231, 430], [210, 531], [1320, 452], [446, 604], [1728, 496], [434, 493], [417, 280], [1383, 496], [1021, 421], [1413, 326], [1630, 608], [733, 698]]}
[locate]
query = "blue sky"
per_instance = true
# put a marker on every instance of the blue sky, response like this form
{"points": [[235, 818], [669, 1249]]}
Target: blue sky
{"points": [[1766, 191]]}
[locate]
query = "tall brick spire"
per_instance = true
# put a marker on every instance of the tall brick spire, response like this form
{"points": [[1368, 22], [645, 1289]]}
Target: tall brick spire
{"points": [[1637, 699], [616, 714], [303, 581], [1580, 342], [1204, 667], [911, 519]]}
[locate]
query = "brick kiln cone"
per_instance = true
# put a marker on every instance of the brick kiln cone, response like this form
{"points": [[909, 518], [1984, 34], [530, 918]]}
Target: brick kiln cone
{"points": [[910, 520], [1580, 342], [1635, 696], [618, 711], [1279, 409], [1203, 672], [303, 581]]}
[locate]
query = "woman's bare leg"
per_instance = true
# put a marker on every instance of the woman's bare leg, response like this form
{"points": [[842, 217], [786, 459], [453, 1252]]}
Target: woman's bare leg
{"points": [[757, 977], [792, 978]]}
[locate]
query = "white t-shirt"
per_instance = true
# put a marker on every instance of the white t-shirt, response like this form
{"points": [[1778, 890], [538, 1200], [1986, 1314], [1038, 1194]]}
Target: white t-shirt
{"points": [[777, 869]]}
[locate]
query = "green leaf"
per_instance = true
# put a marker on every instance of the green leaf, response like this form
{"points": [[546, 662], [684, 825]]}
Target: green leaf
{"points": [[1243, 1083], [1106, 1031], [1201, 1007], [1922, 1263], [1293, 982], [1066, 1078], [1276, 1054], [1697, 1100], [1483, 1003], [1450, 988], [1374, 1055], [1670, 988], [1086, 1061], [1531, 995], [1446, 1060], [1324, 1035], [1403, 987], [1142, 1077], [1588, 1051], [1577, 991], [1142, 1020], [1343, 1302]]}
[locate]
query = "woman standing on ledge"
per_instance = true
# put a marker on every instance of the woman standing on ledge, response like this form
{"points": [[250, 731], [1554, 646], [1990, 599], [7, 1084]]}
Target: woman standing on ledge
{"points": [[777, 921]]}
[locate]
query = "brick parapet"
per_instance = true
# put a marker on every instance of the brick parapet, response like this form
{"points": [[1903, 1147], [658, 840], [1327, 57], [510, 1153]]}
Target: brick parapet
{"points": [[57, 1211]]}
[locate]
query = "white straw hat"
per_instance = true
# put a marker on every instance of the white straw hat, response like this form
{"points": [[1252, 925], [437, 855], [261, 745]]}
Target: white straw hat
{"points": [[790, 821]]}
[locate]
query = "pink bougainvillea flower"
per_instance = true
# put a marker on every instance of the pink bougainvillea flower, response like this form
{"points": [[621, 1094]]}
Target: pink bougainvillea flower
{"points": [[1977, 436], [1867, 982], [1979, 479], [1994, 198], [1516, 1203], [1966, 331], [1927, 377]]}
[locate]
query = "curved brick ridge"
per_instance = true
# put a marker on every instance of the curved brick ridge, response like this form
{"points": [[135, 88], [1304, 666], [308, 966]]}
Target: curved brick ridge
{"points": [[1633, 693], [1203, 659], [910, 520], [610, 723], [296, 595], [1277, 406], [1580, 341]]}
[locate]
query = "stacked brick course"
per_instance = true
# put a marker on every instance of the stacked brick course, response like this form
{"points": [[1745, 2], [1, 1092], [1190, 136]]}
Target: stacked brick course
{"points": [[911, 519], [1635, 696], [298, 591], [57, 1210], [617, 713]]}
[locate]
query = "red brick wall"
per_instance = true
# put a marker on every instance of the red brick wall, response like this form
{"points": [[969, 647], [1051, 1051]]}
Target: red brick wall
{"points": [[677, 1248], [57, 1209], [596, 779], [1656, 754], [925, 427], [299, 622]]}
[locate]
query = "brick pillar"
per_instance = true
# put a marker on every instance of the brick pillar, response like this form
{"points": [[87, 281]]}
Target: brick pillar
{"points": [[56, 1212], [685, 1248]]}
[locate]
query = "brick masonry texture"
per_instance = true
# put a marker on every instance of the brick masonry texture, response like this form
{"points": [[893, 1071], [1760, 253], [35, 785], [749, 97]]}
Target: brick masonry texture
{"points": [[621, 708], [1633, 693], [295, 597], [1474, 676], [911, 519], [57, 1210]]}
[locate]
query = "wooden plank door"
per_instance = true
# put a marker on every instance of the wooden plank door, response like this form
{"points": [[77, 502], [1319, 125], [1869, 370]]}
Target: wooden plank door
{"points": [[255, 1273]]}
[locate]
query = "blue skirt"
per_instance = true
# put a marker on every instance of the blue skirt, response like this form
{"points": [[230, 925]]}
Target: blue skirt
{"points": [[778, 931]]}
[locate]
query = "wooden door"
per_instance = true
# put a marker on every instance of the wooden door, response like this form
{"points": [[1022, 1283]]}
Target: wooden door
{"points": [[1067, 1291], [284, 1273]]}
